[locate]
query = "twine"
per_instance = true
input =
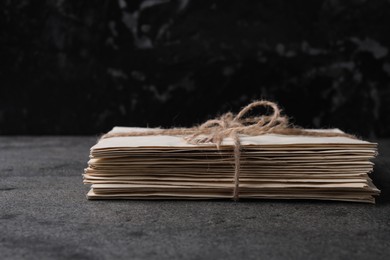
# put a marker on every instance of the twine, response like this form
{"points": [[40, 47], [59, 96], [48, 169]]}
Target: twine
{"points": [[229, 125]]}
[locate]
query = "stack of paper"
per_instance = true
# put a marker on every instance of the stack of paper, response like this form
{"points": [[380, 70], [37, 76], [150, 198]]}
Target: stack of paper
{"points": [[272, 167]]}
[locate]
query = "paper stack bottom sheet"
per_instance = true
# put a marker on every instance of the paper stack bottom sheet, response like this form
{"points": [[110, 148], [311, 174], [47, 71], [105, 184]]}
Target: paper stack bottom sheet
{"points": [[271, 167]]}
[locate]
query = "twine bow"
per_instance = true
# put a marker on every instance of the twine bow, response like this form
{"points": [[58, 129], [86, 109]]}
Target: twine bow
{"points": [[229, 125]]}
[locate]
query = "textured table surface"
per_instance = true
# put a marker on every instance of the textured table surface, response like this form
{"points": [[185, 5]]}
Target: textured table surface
{"points": [[44, 214]]}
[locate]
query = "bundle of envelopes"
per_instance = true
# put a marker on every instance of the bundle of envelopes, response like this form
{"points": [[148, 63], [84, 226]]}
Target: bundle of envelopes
{"points": [[271, 167]]}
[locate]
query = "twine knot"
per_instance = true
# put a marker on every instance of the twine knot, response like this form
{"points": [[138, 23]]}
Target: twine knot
{"points": [[229, 125]]}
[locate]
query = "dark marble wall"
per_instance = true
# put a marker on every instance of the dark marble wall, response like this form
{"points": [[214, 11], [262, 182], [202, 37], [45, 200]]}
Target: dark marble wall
{"points": [[81, 67]]}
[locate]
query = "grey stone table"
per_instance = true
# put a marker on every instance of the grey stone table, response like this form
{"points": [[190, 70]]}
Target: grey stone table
{"points": [[44, 214]]}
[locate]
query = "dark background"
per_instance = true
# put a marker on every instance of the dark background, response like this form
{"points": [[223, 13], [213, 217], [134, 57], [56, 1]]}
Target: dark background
{"points": [[81, 67]]}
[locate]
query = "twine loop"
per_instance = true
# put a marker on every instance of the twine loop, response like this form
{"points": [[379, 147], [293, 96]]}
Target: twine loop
{"points": [[229, 125]]}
